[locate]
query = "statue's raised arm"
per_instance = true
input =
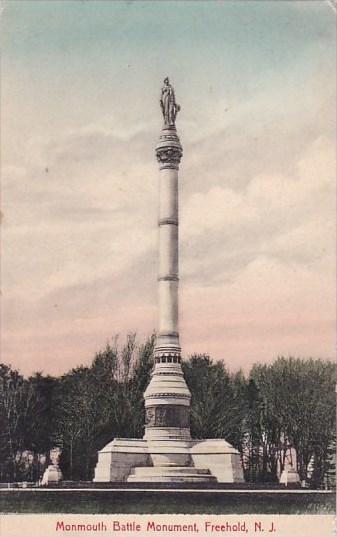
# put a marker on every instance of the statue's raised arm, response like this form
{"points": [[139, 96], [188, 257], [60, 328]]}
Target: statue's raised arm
{"points": [[168, 104]]}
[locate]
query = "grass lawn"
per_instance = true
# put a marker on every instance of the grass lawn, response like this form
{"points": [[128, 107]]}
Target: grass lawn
{"points": [[106, 502]]}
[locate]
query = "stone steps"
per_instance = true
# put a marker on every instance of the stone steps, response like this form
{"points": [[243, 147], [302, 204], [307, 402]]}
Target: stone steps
{"points": [[170, 474]]}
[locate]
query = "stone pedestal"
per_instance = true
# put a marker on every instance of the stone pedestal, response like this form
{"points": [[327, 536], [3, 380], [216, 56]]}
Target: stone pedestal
{"points": [[52, 474], [289, 476], [172, 461], [119, 457]]}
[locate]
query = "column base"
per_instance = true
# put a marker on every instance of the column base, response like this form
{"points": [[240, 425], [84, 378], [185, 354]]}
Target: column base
{"points": [[167, 433], [141, 460]]}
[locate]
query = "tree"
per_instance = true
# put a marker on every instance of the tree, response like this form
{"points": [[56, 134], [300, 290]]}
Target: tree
{"points": [[283, 408], [311, 423], [77, 422], [292, 409], [40, 425], [104, 401], [240, 409], [213, 407], [15, 405]]}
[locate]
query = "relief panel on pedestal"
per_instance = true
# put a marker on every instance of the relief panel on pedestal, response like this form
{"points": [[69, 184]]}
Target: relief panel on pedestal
{"points": [[167, 416]]}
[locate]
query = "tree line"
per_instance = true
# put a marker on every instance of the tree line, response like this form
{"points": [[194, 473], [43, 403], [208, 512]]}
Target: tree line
{"points": [[274, 413]]}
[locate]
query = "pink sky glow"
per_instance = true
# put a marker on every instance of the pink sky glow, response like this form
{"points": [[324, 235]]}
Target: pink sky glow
{"points": [[80, 181]]}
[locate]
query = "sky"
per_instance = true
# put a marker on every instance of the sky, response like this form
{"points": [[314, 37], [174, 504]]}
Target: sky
{"points": [[80, 106]]}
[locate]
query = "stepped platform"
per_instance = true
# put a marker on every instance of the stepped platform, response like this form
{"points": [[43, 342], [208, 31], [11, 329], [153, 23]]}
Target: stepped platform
{"points": [[171, 474], [142, 460]]}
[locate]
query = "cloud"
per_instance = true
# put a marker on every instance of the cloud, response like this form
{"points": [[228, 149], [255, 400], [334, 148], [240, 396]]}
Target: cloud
{"points": [[257, 230], [82, 208], [259, 264], [289, 217]]}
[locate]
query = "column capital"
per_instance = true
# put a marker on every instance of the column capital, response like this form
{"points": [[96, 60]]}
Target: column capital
{"points": [[169, 149]]}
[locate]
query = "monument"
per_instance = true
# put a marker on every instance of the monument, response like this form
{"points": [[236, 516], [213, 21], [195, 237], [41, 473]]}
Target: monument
{"points": [[167, 453]]}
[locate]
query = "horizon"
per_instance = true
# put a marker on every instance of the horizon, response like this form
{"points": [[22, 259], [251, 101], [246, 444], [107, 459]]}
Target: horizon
{"points": [[81, 118]]}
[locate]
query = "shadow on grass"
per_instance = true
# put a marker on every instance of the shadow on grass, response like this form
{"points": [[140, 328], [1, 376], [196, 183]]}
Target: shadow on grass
{"points": [[106, 502]]}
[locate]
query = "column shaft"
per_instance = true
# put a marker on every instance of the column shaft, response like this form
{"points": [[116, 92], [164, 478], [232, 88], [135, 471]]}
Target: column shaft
{"points": [[168, 253], [167, 398]]}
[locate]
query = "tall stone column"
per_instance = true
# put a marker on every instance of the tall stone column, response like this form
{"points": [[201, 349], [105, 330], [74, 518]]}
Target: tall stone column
{"points": [[167, 398], [167, 454]]}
